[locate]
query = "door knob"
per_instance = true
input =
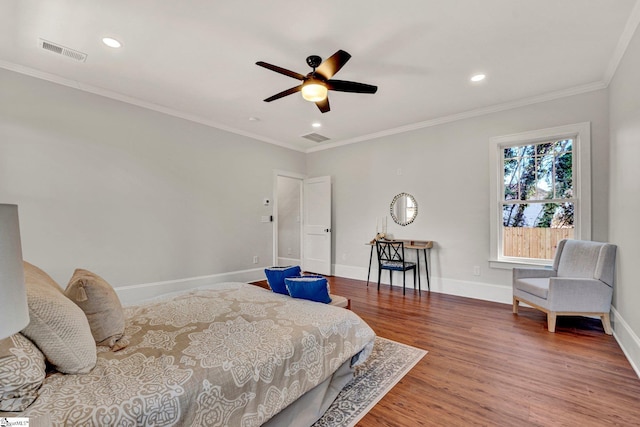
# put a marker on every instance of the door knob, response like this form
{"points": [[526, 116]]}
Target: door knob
{"points": [[327, 230]]}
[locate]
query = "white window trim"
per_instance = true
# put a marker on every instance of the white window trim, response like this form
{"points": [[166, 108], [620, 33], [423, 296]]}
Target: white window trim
{"points": [[581, 133]]}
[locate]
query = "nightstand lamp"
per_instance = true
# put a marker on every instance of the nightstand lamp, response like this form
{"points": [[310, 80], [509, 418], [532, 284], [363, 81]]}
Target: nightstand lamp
{"points": [[14, 311]]}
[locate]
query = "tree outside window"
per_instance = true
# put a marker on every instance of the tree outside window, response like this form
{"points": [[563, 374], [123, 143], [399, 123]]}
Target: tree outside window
{"points": [[538, 204], [540, 193]]}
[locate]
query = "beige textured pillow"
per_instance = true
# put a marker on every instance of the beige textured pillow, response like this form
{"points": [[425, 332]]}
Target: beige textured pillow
{"points": [[100, 304], [57, 326], [22, 371]]}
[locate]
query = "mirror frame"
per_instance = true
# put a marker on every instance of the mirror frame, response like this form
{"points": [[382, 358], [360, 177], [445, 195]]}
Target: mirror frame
{"points": [[393, 214]]}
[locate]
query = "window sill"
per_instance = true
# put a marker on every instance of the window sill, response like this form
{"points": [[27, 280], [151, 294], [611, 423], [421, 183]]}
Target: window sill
{"points": [[509, 265]]}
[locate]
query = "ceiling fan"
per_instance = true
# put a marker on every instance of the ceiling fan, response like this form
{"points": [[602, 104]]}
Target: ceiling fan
{"points": [[318, 82]]}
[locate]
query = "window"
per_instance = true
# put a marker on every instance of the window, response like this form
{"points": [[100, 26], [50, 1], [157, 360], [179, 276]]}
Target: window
{"points": [[540, 193]]}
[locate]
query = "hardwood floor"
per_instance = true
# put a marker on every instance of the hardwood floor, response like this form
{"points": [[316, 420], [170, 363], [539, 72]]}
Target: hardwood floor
{"points": [[489, 367]]}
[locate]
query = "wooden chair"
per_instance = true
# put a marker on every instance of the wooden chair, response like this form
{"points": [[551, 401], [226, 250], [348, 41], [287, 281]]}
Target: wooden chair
{"points": [[391, 257]]}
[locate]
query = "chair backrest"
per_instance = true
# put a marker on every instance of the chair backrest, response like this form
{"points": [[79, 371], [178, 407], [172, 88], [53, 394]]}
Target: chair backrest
{"points": [[585, 259], [390, 251]]}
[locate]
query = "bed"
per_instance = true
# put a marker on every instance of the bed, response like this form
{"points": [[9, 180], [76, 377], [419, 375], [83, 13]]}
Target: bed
{"points": [[230, 354]]}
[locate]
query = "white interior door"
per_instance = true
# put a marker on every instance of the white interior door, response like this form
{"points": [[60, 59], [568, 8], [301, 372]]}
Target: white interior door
{"points": [[317, 225]]}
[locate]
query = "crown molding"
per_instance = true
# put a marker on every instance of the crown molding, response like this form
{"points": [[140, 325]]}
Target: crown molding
{"points": [[137, 102], [577, 90], [623, 43]]}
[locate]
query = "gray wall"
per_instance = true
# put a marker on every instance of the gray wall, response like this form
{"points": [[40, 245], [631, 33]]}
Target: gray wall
{"points": [[134, 195], [446, 168], [624, 206], [138, 196]]}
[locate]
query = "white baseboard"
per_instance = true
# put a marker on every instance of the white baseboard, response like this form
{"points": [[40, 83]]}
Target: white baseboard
{"points": [[133, 294], [627, 339], [476, 290]]}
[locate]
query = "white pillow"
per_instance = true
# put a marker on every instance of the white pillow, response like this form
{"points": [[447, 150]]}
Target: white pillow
{"points": [[101, 305], [57, 326]]}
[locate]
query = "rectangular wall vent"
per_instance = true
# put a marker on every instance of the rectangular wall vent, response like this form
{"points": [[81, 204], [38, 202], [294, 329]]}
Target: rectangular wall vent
{"points": [[62, 50], [315, 137]]}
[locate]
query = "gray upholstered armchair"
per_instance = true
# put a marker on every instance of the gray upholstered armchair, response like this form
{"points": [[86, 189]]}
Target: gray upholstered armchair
{"points": [[580, 283]]}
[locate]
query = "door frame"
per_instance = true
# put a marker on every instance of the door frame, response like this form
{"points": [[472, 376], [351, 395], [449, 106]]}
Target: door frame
{"points": [[301, 178]]}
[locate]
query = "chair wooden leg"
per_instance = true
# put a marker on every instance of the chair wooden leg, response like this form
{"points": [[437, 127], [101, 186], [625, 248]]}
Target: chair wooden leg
{"points": [[515, 305], [551, 321], [606, 323]]}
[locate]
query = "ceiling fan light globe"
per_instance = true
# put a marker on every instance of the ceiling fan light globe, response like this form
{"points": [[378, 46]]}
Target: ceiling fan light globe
{"points": [[314, 92]]}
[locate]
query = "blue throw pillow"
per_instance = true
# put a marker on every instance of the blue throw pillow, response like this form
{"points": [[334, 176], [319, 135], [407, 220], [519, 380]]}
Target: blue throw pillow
{"points": [[313, 288], [276, 276]]}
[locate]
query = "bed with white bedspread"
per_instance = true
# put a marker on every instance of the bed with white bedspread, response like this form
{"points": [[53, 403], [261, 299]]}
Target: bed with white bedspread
{"points": [[231, 354]]}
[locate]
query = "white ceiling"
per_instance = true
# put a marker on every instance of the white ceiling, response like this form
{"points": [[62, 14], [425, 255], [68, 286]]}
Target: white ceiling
{"points": [[196, 58]]}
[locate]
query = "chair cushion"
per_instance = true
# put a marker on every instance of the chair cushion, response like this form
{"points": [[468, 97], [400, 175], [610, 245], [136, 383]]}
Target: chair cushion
{"points": [[22, 371], [397, 265], [310, 288], [579, 258], [57, 326], [276, 276], [534, 286], [100, 304]]}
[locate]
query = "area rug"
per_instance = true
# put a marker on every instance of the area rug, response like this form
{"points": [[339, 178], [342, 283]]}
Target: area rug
{"points": [[388, 363]]}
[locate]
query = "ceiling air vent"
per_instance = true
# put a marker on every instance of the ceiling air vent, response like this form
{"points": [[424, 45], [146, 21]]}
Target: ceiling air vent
{"points": [[62, 50], [315, 137]]}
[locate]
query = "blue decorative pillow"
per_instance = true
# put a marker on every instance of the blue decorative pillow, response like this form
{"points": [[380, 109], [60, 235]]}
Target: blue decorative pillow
{"points": [[276, 276], [313, 288]]}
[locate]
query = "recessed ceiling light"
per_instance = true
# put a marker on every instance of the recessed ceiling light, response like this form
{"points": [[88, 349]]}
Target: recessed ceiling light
{"points": [[254, 119], [478, 78], [316, 124], [111, 42]]}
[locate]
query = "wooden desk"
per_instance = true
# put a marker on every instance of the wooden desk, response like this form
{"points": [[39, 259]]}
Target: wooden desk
{"points": [[418, 245]]}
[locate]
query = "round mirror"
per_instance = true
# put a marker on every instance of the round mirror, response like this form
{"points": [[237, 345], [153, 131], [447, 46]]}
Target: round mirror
{"points": [[404, 209]]}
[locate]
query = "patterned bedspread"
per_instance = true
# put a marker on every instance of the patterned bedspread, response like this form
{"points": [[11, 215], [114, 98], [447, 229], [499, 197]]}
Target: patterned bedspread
{"points": [[230, 355]]}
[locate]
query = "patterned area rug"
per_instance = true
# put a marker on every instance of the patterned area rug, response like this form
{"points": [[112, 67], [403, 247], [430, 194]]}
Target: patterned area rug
{"points": [[388, 363]]}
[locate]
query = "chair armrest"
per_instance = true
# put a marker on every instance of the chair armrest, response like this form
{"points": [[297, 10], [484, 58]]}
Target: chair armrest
{"points": [[579, 295], [541, 273]]}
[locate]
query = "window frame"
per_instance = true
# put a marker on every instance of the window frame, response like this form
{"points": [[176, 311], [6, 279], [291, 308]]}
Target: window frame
{"points": [[581, 170]]}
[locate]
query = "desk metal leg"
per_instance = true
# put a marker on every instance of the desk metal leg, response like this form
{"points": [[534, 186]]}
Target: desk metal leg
{"points": [[418, 270], [426, 266], [369, 272]]}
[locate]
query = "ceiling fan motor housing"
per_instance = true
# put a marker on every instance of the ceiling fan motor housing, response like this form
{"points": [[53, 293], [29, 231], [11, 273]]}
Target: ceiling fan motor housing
{"points": [[314, 61]]}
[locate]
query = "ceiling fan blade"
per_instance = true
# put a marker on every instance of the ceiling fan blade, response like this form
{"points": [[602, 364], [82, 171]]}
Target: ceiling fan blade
{"points": [[332, 65], [281, 70], [323, 105], [345, 86], [283, 93]]}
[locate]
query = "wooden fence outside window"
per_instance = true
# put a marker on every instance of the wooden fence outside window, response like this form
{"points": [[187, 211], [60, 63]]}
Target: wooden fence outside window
{"points": [[533, 242]]}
